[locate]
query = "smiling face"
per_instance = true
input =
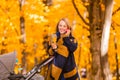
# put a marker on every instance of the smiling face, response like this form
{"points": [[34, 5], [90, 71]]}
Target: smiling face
{"points": [[62, 27]]}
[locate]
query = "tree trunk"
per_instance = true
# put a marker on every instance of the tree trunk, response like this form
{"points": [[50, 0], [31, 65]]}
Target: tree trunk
{"points": [[22, 30], [23, 36], [117, 57], [105, 40], [48, 2], [95, 39], [99, 18]]}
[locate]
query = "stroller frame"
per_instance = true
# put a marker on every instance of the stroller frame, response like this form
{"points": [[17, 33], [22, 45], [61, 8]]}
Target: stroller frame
{"points": [[31, 73]]}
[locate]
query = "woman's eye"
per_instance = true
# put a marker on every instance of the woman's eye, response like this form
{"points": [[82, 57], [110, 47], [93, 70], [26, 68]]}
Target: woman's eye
{"points": [[60, 25], [64, 25]]}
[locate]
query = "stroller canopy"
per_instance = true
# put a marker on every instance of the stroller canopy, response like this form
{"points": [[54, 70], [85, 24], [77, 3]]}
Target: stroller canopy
{"points": [[7, 62]]}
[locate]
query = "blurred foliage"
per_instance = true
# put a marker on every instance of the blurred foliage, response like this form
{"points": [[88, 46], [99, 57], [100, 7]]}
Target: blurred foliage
{"points": [[41, 21]]}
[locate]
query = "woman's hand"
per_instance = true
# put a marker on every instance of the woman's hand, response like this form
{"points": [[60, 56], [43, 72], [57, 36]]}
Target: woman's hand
{"points": [[53, 45], [53, 41], [66, 34]]}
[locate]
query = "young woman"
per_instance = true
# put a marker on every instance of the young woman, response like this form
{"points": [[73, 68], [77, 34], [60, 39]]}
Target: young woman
{"points": [[62, 47]]}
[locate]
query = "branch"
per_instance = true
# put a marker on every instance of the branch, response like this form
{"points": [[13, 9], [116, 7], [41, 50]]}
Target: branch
{"points": [[79, 13], [115, 23], [84, 27], [115, 11], [9, 19]]}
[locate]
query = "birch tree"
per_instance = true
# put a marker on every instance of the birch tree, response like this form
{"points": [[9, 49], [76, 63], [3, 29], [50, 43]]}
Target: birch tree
{"points": [[100, 12], [105, 40], [23, 36]]}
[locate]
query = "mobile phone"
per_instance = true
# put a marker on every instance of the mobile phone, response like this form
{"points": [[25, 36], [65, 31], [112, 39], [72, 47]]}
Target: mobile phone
{"points": [[66, 30]]}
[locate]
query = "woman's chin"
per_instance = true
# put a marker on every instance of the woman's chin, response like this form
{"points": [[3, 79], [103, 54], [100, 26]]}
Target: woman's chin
{"points": [[62, 32]]}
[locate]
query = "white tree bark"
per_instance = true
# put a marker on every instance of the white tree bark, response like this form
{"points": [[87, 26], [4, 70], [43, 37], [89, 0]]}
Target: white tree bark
{"points": [[106, 28], [105, 40]]}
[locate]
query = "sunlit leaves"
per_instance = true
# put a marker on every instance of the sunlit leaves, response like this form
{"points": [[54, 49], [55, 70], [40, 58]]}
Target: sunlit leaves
{"points": [[8, 27], [41, 21], [114, 37]]}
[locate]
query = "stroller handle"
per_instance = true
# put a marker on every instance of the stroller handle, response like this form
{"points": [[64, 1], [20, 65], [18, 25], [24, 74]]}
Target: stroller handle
{"points": [[38, 67], [30, 74]]}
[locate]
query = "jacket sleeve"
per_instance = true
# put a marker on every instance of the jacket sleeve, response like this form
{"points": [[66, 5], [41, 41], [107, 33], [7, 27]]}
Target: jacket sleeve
{"points": [[50, 51], [62, 49], [71, 43]]}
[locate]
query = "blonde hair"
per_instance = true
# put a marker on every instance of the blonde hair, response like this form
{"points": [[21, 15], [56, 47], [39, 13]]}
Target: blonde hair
{"points": [[66, 21]]}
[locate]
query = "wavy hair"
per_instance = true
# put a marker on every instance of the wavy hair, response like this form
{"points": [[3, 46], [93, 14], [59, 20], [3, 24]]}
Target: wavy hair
{"points": [[66, 21]]}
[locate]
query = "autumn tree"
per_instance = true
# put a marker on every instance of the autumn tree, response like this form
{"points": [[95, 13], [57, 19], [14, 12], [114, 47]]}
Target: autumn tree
{"points": [[48, 2], [23, 35], [88, 19], [114, 33], [99, 19], [105, 40]]}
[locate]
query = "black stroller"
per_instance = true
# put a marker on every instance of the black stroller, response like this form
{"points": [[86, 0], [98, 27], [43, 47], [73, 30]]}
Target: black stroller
{"points": [[7, 62]]}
